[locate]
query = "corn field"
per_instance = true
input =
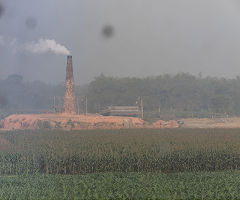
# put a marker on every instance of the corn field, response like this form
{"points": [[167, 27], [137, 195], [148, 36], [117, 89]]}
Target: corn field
{"points": [[142, 150], [158, 186]]}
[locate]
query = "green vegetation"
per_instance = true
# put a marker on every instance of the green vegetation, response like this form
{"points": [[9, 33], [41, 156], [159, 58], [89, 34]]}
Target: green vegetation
{"points": [[182, 95], [120, 164], [19, 96], [223, 185], [140, 150]]}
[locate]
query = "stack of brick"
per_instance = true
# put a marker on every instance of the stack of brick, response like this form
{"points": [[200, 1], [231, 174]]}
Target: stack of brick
{"points": [[166, 124]]}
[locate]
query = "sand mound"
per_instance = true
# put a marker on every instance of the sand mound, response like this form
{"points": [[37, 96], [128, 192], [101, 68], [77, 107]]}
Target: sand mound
{"points": [[70, 122]]}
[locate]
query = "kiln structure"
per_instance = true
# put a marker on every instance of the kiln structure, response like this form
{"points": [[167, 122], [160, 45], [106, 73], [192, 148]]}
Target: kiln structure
{"points": [[69, 99]]}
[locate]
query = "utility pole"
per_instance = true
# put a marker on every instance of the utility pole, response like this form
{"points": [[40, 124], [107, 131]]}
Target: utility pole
{"points": [[86, 105], [54, 103], [78, 107], [141, 103]]}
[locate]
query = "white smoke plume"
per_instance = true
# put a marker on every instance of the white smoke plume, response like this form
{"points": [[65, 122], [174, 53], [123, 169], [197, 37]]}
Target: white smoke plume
{"points": [[39, 47], [46, 45]]}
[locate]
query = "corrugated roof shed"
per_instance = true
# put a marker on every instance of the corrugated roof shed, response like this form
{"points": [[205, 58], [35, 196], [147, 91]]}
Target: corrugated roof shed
{"points": [[130, 111]]}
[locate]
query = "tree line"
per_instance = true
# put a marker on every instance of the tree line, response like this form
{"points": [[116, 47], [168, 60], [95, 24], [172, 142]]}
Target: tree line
{"points": [[181, 95]]}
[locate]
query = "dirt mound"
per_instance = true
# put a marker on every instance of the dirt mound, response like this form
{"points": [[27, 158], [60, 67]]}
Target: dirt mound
{"points": [[70, 122]]}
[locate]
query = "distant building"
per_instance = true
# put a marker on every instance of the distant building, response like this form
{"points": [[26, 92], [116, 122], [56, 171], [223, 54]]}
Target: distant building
{"points": [[128, 111], [69, 99]]}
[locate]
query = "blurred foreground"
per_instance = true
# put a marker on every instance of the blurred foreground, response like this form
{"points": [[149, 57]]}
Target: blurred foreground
{"points": [[218, 185]]}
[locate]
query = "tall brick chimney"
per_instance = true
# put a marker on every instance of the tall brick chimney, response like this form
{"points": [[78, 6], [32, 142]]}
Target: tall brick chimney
{"points": [[69, 99]]}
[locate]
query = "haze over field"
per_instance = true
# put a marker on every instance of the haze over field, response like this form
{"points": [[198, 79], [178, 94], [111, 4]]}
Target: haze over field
{"points": [[120, 38]]}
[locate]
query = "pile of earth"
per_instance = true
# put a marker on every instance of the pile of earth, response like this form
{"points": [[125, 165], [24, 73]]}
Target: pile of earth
{"points": [[78, 122], [69, 122]]}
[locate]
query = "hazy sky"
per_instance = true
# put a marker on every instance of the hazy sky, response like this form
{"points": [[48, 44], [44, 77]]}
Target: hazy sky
{"points": [[151, 37]]}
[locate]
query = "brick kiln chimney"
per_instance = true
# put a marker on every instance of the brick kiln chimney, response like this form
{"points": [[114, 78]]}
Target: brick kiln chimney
{"points": [[69, 99]]}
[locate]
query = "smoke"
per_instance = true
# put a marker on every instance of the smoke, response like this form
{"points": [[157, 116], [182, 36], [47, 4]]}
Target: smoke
{"points": [[44, 46], [39, 47]]}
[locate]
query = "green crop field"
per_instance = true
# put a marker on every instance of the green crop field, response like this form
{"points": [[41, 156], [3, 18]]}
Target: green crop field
{"points": [[169, 163], [80, 152], [217, 185]]}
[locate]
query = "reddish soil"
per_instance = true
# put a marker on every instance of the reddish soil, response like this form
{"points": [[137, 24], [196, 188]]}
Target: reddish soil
{"points": [[78, 122], [69, 122], [166, 124]]}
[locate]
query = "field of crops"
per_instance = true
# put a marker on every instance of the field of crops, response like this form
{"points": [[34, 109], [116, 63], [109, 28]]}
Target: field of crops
{"points": [[142, 150], [218, 185]]}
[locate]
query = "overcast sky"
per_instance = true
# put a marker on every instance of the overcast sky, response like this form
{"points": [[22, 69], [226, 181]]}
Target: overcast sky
{"points": [[151, 37]]}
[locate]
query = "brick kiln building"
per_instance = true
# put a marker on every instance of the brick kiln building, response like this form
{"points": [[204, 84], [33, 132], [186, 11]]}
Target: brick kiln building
{"points": [[69, 99]]}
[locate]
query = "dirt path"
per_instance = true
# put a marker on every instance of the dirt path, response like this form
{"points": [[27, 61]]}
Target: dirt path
{"points": [[233, 122]]}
